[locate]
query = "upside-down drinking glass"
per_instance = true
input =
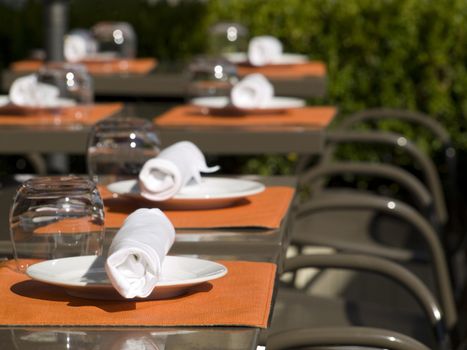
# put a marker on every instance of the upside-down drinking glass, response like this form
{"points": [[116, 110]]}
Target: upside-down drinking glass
{"points": [[118, 148], [56, 217], [210, 77], [228, 37], [117, 38], [76, 90]]}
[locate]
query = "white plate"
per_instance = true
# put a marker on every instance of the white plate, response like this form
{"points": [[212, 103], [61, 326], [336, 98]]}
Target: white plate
{"points": [[212, 192], [284, 59], [222, 105], [85, 276], [7, 107]]}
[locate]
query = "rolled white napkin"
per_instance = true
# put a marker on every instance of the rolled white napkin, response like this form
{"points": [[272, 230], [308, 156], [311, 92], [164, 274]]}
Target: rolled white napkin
{"points": [[134, 262], [263, 50], [28, 91], [253, 91], [163, 176], [79, 45]]}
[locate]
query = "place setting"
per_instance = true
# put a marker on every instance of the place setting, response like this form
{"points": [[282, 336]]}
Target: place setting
{"points": [[108, 47], [218, 98], [265, 54], [176, 179], [57, 94], [66, 275]]}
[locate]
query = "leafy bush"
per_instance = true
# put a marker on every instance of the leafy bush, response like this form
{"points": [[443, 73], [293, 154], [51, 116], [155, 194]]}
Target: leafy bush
{"points": [[393, 53]]}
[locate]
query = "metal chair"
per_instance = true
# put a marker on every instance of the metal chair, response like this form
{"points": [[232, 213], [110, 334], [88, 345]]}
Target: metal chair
{"points": [[373, 116], [432, 181], [454, 231], [336, 234], [295, 309], [337, 337], [415, 118]]}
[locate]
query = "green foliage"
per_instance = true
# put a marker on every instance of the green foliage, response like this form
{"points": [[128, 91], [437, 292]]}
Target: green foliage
{"points": [[20, 31], [394, 53]]}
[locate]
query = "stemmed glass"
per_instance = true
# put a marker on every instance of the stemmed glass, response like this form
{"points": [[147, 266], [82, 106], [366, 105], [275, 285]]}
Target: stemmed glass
{"points": [[118, 148], [56, 217]]}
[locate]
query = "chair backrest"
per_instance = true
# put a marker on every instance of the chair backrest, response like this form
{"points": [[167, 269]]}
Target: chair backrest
{"points": [[427, 122], [385, 268], [411, 216], [412, 117], [342, 336], [430, 174], [409, 182]]}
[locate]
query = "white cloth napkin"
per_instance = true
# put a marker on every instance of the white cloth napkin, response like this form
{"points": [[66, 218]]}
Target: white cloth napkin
{"points": [[253, 91], [134, 262], [28, 91], [263, 50], [79, 45], [163, 176]]}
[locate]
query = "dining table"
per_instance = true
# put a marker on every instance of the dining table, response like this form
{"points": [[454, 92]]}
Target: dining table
{"points": [[301, 131], [148, 78], [253, 254]]}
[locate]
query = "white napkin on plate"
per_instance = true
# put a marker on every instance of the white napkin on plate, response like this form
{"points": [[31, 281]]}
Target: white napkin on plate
{"points": [[79, 45], [163, 176], [253, 91], [28, 91], [134, 262], [263, 50]]}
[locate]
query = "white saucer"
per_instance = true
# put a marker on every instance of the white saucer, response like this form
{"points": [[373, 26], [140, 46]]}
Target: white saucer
{"points": [[284, 59], [85, 276], [222, 105], [212, 192]]}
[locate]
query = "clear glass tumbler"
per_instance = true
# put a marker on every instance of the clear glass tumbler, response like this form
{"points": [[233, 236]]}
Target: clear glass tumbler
{"points": [[118, 148], [56, 217], [228, 37], [118, 38], [76, 90], [211, 77], [72, 79]]}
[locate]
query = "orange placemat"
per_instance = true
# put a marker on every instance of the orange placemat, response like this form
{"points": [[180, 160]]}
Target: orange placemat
{"points": [[264, 210], [132, 66], [188, 115], [292, 71], [87, 115], [241, 298]]}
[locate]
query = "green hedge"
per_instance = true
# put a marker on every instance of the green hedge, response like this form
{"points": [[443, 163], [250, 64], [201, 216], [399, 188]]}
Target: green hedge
{"points": [[398, 53]]}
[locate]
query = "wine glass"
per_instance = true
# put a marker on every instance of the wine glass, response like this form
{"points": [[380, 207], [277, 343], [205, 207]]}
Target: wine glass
{"points": [[118, 148], [56, 217]]}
